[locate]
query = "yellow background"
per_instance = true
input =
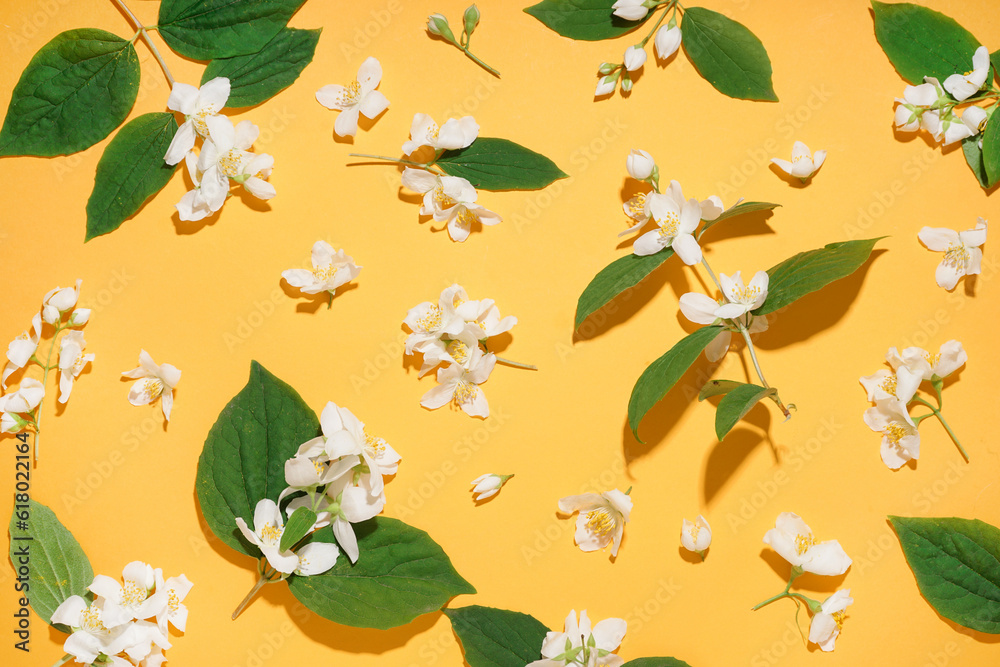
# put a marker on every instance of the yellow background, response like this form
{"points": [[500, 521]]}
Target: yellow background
{"points": [[208, 298]]}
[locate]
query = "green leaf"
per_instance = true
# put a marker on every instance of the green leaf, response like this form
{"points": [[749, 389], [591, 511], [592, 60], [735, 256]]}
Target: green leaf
{"points": [[58, 567], [957, 566], [736, 404], [401, 574], [717, 388], [74, 92], [499, 164], [974, 158], [260, 76], [130, 172], [812, 270], [588, 20], [620, 275], [739, 209], [656, 662], [991, 150], [727, 55], [922, 42], [299, 525], [244, 457], [207, 29], [497, 637], [663, 374], [995, 62]]}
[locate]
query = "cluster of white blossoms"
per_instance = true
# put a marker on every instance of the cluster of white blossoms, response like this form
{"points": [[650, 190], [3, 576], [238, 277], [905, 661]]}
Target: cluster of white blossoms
{"points": [[582, 644], [451, 335], [19, 408], [331, 269], [962, 253], [893, 392], [931, 105], [339, 476], [447, 199], [602, 518], [793, 540], [666, 42], [127, 623], [225, 155], [357, 98]]}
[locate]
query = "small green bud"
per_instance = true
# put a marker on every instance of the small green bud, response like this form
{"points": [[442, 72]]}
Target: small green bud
{"points": [[607, 68], [626, 82], [437, 24], [471, 19]]}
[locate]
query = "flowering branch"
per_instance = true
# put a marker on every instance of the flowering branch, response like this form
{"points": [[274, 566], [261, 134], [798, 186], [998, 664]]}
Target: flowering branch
{"points": [[145, 37], [267, 576], [437, 24]]}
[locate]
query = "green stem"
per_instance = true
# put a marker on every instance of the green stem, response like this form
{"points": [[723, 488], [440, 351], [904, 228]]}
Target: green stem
{"points": [[652, 32], [422, 165], [45, 376], [516, 364], [782, 594], [465, 49], [266, 577], [145, 37], [937, 413], [712, 273], [63, 660]]}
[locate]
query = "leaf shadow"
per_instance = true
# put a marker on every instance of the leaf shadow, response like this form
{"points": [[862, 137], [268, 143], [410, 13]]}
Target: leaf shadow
{"points": [[749, 224], [627, 304], [729, 454], [816, 311], [229, 554]]}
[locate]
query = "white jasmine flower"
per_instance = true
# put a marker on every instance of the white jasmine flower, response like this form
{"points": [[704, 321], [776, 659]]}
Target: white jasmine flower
{"points": [[635, 58], [196, 104], [793, 540], [901, 384], [964, 86], [79, 317], [461, 385], [24, 400], [21, 349], [90, 636], [826, 624], [677, 223], [915, 101], [331, 269], [950, 357], [804, 164], [131, 600], [601, 519], [487, 486], [697, 536], [194, 205], [640, 165], [458, 350], [359, 96], [742, 298], [428, 321], [975, 118], [455, 134], [900, 438], [58, 301], [667, 41], [154, 381], [71, 361], [449, 199], [316, 558], [225, 155], [962, 254], [947, 128], [702, 309], [579, 644], [268, 528], [630, 10], [605, 85], [174, 590]]}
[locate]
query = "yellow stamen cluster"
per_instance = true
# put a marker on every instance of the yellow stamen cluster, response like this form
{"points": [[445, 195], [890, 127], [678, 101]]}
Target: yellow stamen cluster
{"points": [[600, 522], [838, 618], [444, 200], [320, 468], [465, 392], [932, 359], [374, 444], [231, 163], [152, 387], [467, 217], [173, 604], [894, 432], [433, 131], [745, 294], [803, 543], [90, 620], [431, 321], [133, 594], [957, 256], [637, 205], [270, 534], [458, 350], [326, 273], [351, 94], [889, 385], [198, 119], [670, 225]]}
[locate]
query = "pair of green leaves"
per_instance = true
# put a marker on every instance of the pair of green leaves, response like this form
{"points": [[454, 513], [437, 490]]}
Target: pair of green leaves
{"points": [[957, 566], [500, 638], [789, 281], [725, 52], [922, 42], [59, 569], [83, 84], [500, 164], [401, 573]]}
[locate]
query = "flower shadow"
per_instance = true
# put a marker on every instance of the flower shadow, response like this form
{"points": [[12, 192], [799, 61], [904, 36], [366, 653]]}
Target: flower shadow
{"points": [[690, 556], [815, 312], [806, 582], [791, 181], [748, 224]]}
